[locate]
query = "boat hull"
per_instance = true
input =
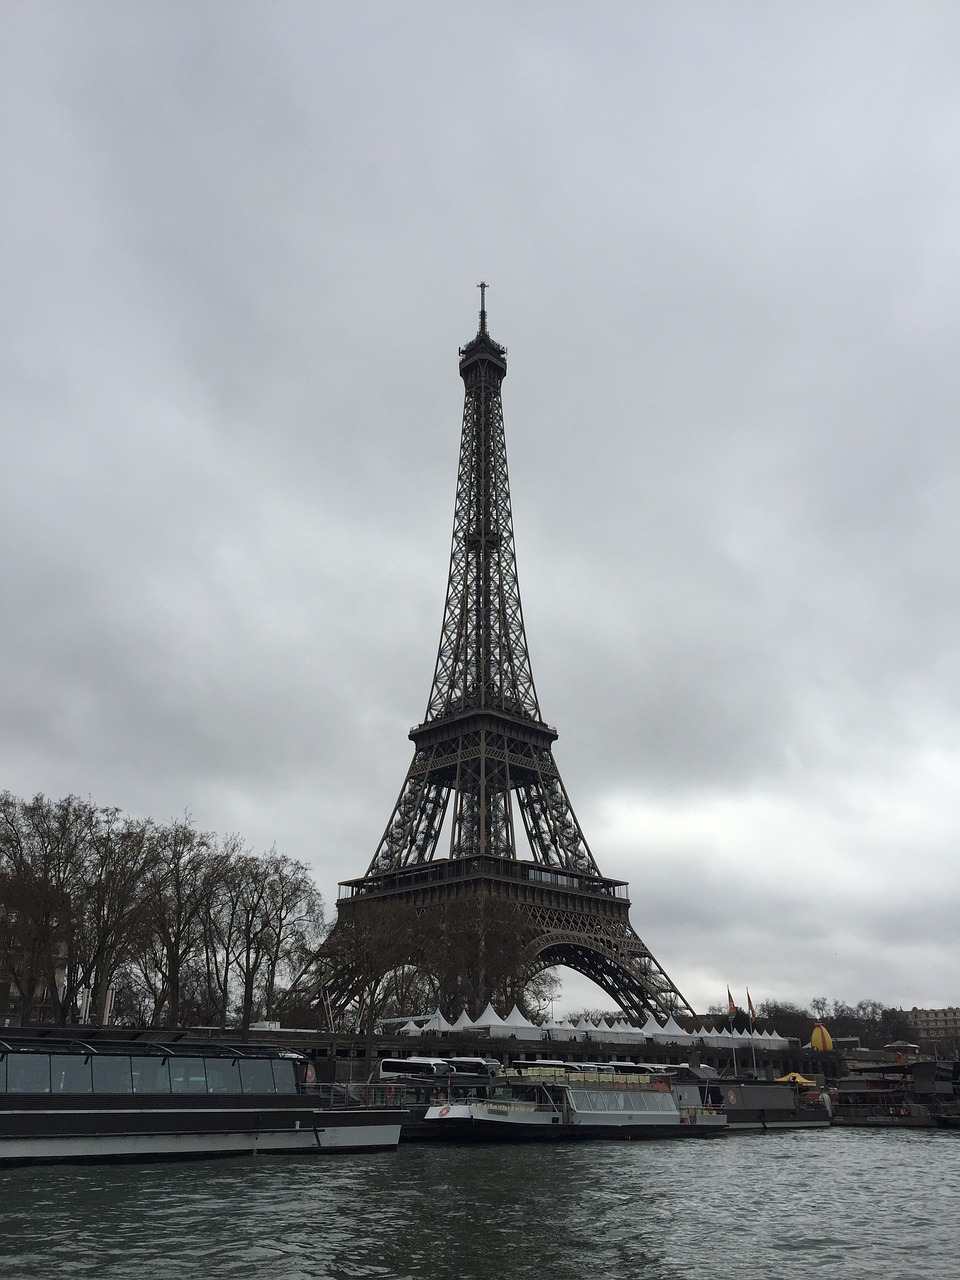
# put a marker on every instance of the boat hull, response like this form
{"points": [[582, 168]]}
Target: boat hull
{"points": [[504, 1124], [900, 1117], [65, 1129]]}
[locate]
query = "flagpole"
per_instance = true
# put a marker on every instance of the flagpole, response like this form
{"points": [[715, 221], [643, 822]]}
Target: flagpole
{"points": [[753, 1027], [731, 1010]]}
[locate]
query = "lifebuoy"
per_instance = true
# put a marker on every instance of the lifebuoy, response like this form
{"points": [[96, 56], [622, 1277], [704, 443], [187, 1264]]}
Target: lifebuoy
{"points": [[441, 1096], [390, 1091], [904, 1111], [731, 1096], [310, 1074], [444, 1111]]}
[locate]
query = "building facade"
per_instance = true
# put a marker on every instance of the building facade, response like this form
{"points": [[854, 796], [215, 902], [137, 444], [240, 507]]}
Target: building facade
{"points": [[935, 1024]]}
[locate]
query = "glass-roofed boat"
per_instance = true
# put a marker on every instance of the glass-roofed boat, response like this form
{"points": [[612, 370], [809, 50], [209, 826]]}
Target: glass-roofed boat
{"points": [[67, 1099], [553, 1105]]}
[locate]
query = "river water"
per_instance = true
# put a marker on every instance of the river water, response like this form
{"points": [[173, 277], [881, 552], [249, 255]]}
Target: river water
{"points": [[838, 1202]]}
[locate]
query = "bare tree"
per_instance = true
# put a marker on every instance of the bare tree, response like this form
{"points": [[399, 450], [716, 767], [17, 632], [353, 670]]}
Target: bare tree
{"points": [[44, 846], [113, 900], [295, 911], [221, 922], [169, 916], [252, 938], [184, 875]]}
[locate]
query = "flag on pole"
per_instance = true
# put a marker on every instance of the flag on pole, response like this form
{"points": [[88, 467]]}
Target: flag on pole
{"points": [[731, 1007], [751, 1010]]}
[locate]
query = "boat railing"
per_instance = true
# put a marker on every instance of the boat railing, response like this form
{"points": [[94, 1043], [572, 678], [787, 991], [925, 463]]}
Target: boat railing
{"points": [[515, 1106], [865, 1110], [396, 1096], [692, 1115]]}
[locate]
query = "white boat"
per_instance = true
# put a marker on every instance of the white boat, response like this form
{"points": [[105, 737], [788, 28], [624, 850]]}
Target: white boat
{"points": [[557, 1106], [72, 1100]]}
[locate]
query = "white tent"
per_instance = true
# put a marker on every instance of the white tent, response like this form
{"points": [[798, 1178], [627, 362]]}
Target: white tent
{"points": [[489, 1018], [520, 1025], [436, 1022], [463, 1023], [651, 1027], [410, 1028], [554, 1030], [491, 1022], [672, 1033], [621, 1031]]}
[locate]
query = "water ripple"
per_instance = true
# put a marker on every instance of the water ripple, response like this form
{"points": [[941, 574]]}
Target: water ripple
{"points": [[765, 1207]]}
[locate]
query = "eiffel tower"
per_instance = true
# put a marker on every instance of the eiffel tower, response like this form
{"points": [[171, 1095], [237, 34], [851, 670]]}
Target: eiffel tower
{"points": [[473, 912]]}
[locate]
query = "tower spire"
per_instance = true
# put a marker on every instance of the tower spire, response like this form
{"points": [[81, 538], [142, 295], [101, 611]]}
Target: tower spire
{"points": [[483, 286]]}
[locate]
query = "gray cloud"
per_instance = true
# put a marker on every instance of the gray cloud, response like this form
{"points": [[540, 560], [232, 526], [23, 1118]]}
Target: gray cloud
{"points": [[239, 250]]}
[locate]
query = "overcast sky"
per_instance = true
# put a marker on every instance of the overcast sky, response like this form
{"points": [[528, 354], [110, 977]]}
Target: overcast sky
{"points": [[239, 245]]}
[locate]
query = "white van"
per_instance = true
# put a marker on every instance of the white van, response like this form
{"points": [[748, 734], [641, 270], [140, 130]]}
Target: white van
{"points": [[544, 1064], [409, 1068], [476, 1066]]}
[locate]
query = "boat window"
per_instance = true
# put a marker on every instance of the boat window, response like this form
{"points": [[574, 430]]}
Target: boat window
{"points": [[111, 1074], [634, 1101], [151, 1075], [285, 1075], [584, 1100], [256, 1076], [223, 1075], [28, 1073], [3, 1073], [71, 1073], [188, 1075]]}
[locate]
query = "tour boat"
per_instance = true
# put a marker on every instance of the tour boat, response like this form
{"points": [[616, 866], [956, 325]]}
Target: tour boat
{"points": [[557, 1106], [70, 1100]]}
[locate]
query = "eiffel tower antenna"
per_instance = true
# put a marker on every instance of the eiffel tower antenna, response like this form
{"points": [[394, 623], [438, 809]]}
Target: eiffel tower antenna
{"points": [[483, 876]]}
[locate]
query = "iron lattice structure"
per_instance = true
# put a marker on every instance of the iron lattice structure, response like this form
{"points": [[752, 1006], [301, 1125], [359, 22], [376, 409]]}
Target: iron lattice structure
{"points": [[472, 912]]}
